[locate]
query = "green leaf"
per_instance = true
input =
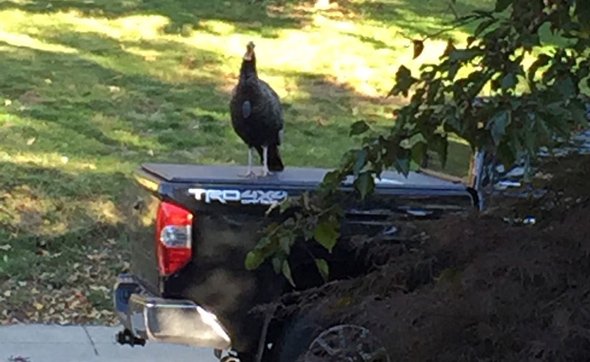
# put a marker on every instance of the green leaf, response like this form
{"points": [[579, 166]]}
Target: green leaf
{"points": [[358, 128], [483, 26], [498, 124], [566, 86], [530, 40], [508, 82], [578, 110], [285, 243], [332, 179], [414, 166], [308, 232], [433, 90], [323, 268], [253, 260], [288, 203], [402, 165], [582, 12], [502, 5], [505, 155], [463, 54], [364, 184], [419, 153], [277, 263], [326, 233], [361, 161], [287, 273], [416, 138], [530, 142]]}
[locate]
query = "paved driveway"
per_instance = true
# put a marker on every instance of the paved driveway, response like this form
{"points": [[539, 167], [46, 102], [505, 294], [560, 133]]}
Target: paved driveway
{"points": [[43, 343]]}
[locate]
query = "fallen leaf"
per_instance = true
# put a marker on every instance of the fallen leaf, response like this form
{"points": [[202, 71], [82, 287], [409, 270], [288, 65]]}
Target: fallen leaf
{"points": [[38, 306], [321, 121]]}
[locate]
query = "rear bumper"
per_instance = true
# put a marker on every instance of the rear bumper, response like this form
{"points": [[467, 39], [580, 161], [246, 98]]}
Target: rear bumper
{"points": [[148, 317]]}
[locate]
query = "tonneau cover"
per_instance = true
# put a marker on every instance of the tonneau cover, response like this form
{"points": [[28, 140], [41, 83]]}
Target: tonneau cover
{"points": [[291, 176]]}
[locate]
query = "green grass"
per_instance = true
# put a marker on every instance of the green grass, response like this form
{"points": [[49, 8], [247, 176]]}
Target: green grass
{"points": [[91, 89]]}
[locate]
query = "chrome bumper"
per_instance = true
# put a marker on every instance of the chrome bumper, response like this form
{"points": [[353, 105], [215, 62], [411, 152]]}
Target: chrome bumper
{"points": [[166, 320]]}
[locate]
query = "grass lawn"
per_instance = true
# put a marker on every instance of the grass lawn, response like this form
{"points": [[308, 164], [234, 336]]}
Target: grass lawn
{"points": [[91, 89]]}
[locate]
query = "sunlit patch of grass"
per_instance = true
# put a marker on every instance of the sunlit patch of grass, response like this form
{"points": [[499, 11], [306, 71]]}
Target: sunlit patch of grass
{"points": [[51, 160], [23, 40]]}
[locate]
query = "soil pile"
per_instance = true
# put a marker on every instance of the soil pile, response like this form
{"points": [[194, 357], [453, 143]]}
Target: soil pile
{"points": [[480, 288]]}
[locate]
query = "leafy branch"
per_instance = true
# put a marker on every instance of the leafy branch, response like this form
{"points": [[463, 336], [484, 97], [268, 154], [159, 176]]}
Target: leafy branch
{"points": [[527, 107]]}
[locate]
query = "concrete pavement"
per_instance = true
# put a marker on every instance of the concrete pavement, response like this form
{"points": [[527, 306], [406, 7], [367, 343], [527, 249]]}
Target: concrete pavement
{"points": [[52, 343]]}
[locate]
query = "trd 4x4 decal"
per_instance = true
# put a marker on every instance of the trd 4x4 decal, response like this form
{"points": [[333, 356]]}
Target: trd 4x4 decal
{"points": [[246, 197]]}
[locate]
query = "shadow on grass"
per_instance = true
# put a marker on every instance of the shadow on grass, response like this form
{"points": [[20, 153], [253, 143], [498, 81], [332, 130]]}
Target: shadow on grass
{"points": [[50, 217], [249, 16], [418, 16], [184, 15], [102, 90]]}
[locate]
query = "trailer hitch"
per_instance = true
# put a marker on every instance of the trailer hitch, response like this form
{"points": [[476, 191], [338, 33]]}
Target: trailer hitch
{"points": [[126, 337]]}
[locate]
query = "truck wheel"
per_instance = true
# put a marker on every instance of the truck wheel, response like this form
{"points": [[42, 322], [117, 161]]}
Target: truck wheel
{"points": [[308, 342]]}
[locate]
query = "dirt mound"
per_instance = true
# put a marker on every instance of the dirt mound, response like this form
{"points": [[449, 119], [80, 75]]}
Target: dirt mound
{"points": [[501, 292], [479, 288]]}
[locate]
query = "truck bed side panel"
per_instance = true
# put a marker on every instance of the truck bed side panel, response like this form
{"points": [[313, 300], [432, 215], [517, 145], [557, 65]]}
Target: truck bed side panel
{"points": [[218, 280]]}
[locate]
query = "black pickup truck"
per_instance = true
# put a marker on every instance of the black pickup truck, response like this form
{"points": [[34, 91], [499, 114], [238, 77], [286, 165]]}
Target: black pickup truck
{"points": [[193, 226]]}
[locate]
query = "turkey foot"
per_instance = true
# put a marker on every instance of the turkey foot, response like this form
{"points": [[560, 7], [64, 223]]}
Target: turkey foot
{"points": [[250, 173], [264, 172]]}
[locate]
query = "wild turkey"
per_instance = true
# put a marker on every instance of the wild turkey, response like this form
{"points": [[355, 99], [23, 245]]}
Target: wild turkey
{"points": [[257, 116]]}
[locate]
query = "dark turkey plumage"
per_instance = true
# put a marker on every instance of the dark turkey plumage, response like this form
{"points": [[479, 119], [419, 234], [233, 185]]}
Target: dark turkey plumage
{"points": [[257, 115]]}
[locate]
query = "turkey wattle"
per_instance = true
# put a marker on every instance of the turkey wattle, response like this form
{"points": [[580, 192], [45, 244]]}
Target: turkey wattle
{"points": [[257, 115]]}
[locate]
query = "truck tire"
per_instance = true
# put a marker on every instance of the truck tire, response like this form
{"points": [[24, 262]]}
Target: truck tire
{"points": [[308, 338]]}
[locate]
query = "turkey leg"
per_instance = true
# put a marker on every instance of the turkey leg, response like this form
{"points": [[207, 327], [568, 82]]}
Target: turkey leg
{"points": [[264, 161], [249, 173]]}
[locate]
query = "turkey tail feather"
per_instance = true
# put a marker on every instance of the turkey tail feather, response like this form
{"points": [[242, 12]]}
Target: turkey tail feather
{"points": [[274, 159], [275, 163]]}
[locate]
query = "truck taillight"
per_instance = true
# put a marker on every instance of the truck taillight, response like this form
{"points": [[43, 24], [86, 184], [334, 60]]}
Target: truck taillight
{"points": [[173, 237]]}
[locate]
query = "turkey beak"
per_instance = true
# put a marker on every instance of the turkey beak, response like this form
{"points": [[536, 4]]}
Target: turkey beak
{"points": [[249, 52]]}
